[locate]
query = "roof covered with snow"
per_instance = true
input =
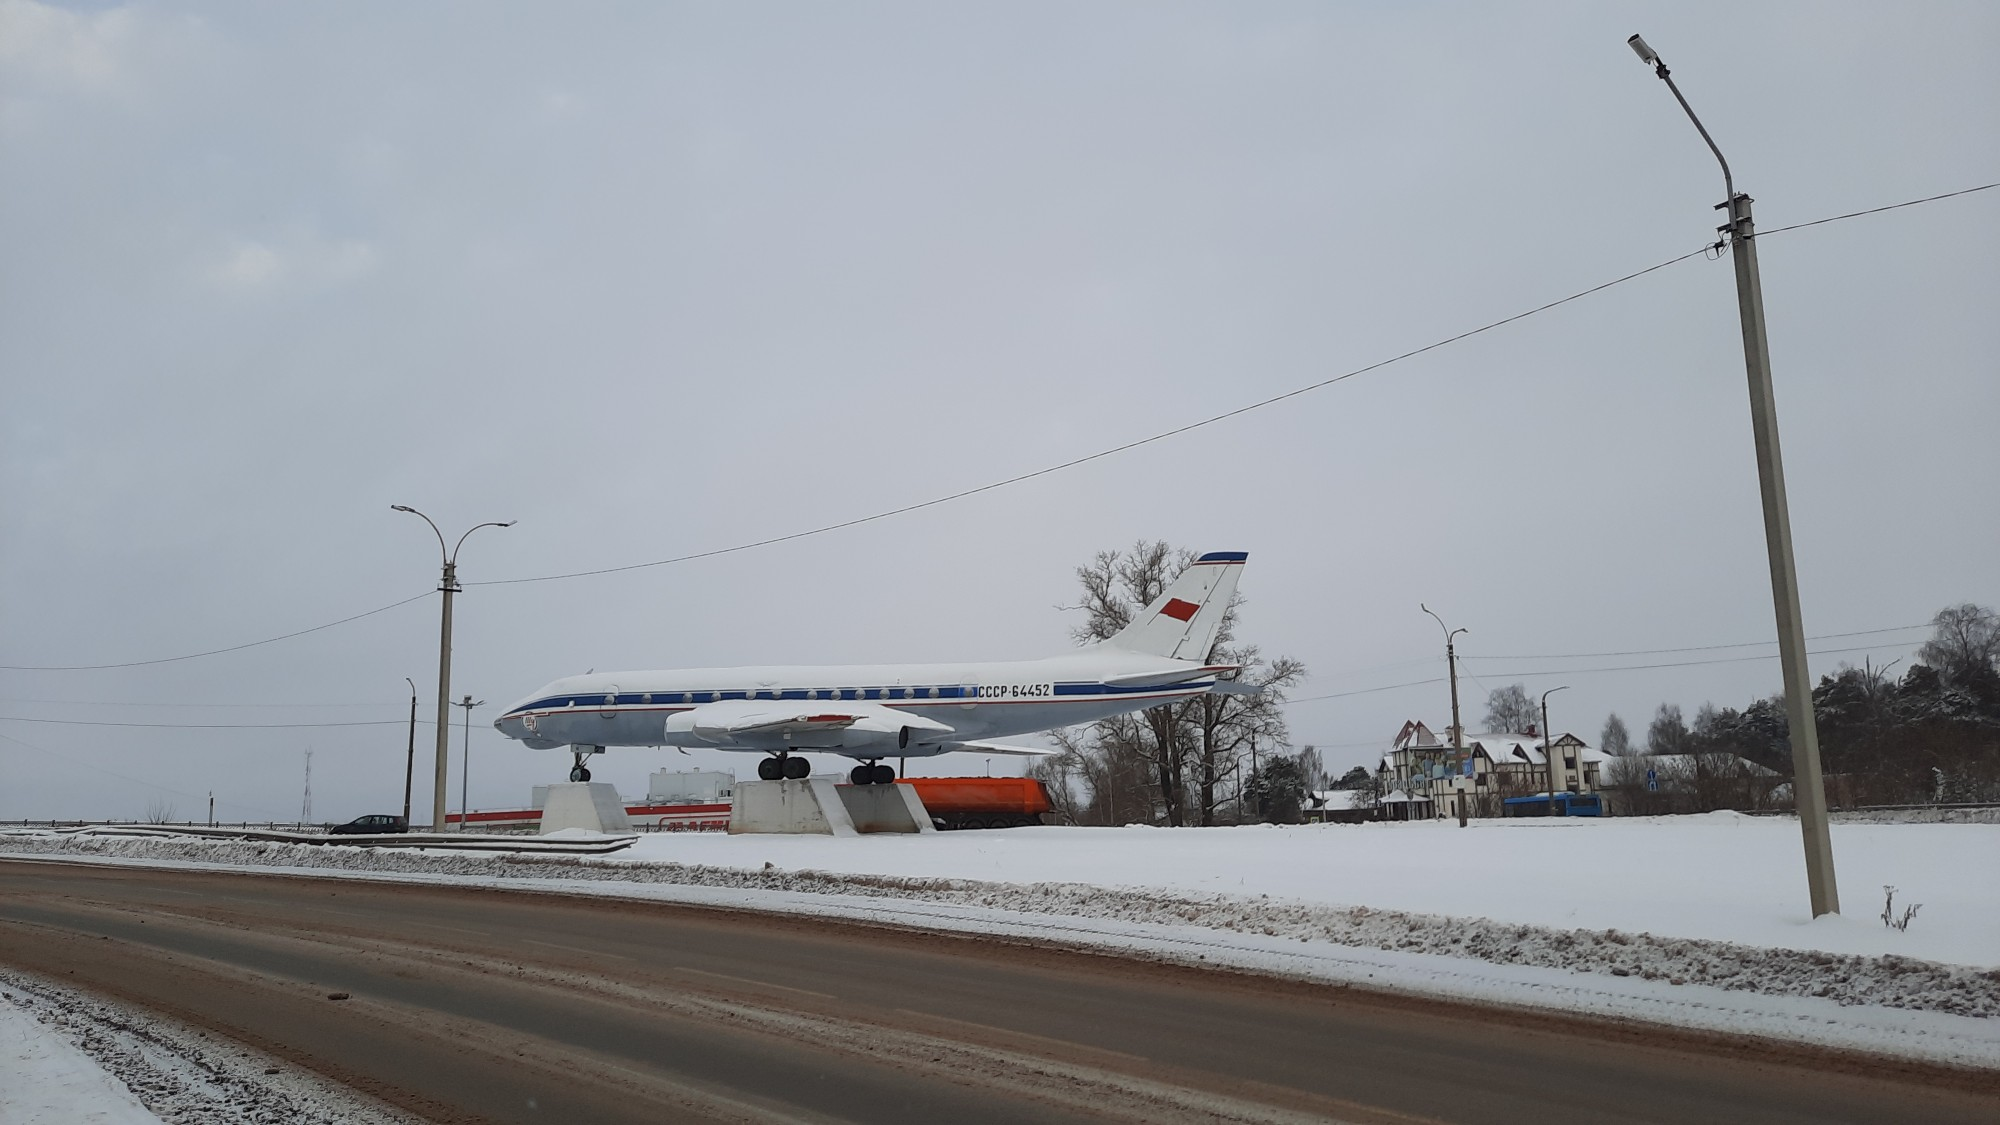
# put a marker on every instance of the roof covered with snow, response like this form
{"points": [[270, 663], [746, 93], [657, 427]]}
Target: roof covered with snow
{"points": [[1528, 747]]}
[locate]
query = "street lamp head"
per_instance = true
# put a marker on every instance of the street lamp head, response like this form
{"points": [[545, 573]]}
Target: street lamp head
{"points": [[402, 508], [1646, 53], [509, 523]]}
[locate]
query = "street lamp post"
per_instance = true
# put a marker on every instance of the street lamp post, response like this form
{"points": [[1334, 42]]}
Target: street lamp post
{"points": [[1808, 788], [447, 585], [465, 762], [410, 760], [1451, 667], [1548, 758]]}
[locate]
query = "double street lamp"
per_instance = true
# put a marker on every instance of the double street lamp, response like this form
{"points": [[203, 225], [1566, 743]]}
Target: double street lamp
{"points": [[447, 585], [1808, 791]]}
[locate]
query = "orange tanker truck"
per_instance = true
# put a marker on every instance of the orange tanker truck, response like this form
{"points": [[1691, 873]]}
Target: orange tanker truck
{"points": [[981, 802]]}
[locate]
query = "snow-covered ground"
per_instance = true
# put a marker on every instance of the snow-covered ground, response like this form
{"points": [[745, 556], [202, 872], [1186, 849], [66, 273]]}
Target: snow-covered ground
{"points": [[69, 1058], [46, 1080], [1719, 877], [1694, 921]]}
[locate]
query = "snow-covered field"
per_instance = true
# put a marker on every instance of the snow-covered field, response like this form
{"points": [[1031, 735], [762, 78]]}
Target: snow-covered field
{"points": [[1695, 921], [1720, 877]]}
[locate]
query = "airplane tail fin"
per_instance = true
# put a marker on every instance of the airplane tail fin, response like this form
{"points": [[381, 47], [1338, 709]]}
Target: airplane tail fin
{"points": [[1181, 623]]}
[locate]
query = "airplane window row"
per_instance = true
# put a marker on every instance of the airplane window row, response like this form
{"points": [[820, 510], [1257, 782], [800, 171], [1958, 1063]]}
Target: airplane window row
{"points": [[775, 694]]}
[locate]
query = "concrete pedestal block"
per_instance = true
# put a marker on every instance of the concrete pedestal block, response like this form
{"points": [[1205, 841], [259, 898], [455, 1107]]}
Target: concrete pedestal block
{"points": [[815, 805], [806, 806], [885, 808], [590, 805]]}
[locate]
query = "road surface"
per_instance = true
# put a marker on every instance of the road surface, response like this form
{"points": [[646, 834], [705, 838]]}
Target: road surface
{"points": [[470, 1005]]}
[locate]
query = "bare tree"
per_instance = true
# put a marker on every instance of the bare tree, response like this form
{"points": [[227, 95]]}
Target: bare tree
{"points": [[1510, 710], [1964, 646], [1192, 750], [159, 811], [1060, 775], [1668, 733], [1615, 739]]}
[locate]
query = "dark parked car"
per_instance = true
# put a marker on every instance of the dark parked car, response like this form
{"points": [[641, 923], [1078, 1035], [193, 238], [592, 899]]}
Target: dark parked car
{"points": [[369, 825]]}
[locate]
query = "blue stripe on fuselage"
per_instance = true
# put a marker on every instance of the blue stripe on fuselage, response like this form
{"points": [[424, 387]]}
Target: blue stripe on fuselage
{"points": [[677, 700]]}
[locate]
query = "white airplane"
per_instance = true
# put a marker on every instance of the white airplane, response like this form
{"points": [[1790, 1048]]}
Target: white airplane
{"points": [[872, 712]]}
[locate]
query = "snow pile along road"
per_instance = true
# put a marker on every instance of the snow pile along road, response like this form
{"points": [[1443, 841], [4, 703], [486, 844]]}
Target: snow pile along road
{"points": [[116, 1066], [46, 1080], [1883, 981]]}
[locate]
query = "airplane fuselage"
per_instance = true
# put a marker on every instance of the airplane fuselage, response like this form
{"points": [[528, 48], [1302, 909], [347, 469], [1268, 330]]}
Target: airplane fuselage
{"points": [[975, 700]]}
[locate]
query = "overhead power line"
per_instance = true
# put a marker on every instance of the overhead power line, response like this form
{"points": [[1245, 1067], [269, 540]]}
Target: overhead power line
{"points": [[1510, 673], [1102, 453], [213, 651], [1694, 648], [213, 726], [1020, 477], [1876, 210], [1191, 426]]}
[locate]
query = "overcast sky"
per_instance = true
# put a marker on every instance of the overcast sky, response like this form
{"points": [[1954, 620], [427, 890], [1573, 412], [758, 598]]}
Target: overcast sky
{"points": [[661, 279]]}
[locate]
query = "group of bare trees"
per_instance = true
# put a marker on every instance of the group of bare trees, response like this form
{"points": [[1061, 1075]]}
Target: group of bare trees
{"points": [[1931, 735], [1189, 762]]}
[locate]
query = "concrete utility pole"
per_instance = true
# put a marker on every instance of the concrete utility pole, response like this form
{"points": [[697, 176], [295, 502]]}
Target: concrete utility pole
{"points": [[447, 585], [1808, 788], [410, 760], [465, 762], [1548, 758]]}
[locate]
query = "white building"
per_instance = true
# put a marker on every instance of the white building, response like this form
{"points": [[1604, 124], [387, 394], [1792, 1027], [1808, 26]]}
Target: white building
{"points": [[690, 787], [1487, 769]]}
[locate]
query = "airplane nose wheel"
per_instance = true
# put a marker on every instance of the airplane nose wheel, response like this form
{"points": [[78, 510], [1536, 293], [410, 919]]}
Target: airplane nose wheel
{"points": [[579, 772]]}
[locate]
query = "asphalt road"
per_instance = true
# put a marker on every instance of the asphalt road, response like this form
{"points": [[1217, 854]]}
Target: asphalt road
{"points": [[474, 1005]]}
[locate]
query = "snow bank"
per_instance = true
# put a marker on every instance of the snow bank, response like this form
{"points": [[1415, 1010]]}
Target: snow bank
{"points": [[87, 1060], [44, 1080]]}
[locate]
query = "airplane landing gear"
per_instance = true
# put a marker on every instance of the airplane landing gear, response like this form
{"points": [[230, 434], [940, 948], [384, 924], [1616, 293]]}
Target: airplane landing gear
{"points": [[870, 773], [579, 772], [783, 766]]}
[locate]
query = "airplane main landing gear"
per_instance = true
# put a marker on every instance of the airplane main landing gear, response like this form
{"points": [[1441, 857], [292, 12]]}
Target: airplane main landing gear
{"points": [[784, 766], [870, 773]]}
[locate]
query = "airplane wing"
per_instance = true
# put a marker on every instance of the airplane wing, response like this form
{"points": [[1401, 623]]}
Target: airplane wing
{"points": [[977, 747], [747, 724]]}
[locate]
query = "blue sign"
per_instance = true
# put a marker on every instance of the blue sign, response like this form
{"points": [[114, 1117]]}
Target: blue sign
{"points": [[1468, 767], [1652, 780]]}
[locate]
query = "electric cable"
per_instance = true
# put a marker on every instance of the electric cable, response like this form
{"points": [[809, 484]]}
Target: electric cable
{"points": [[1191, 426], [1513, 673], [213, 651], [1016, 479], [1696, 648], [1100, 454], [215, 726]]}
